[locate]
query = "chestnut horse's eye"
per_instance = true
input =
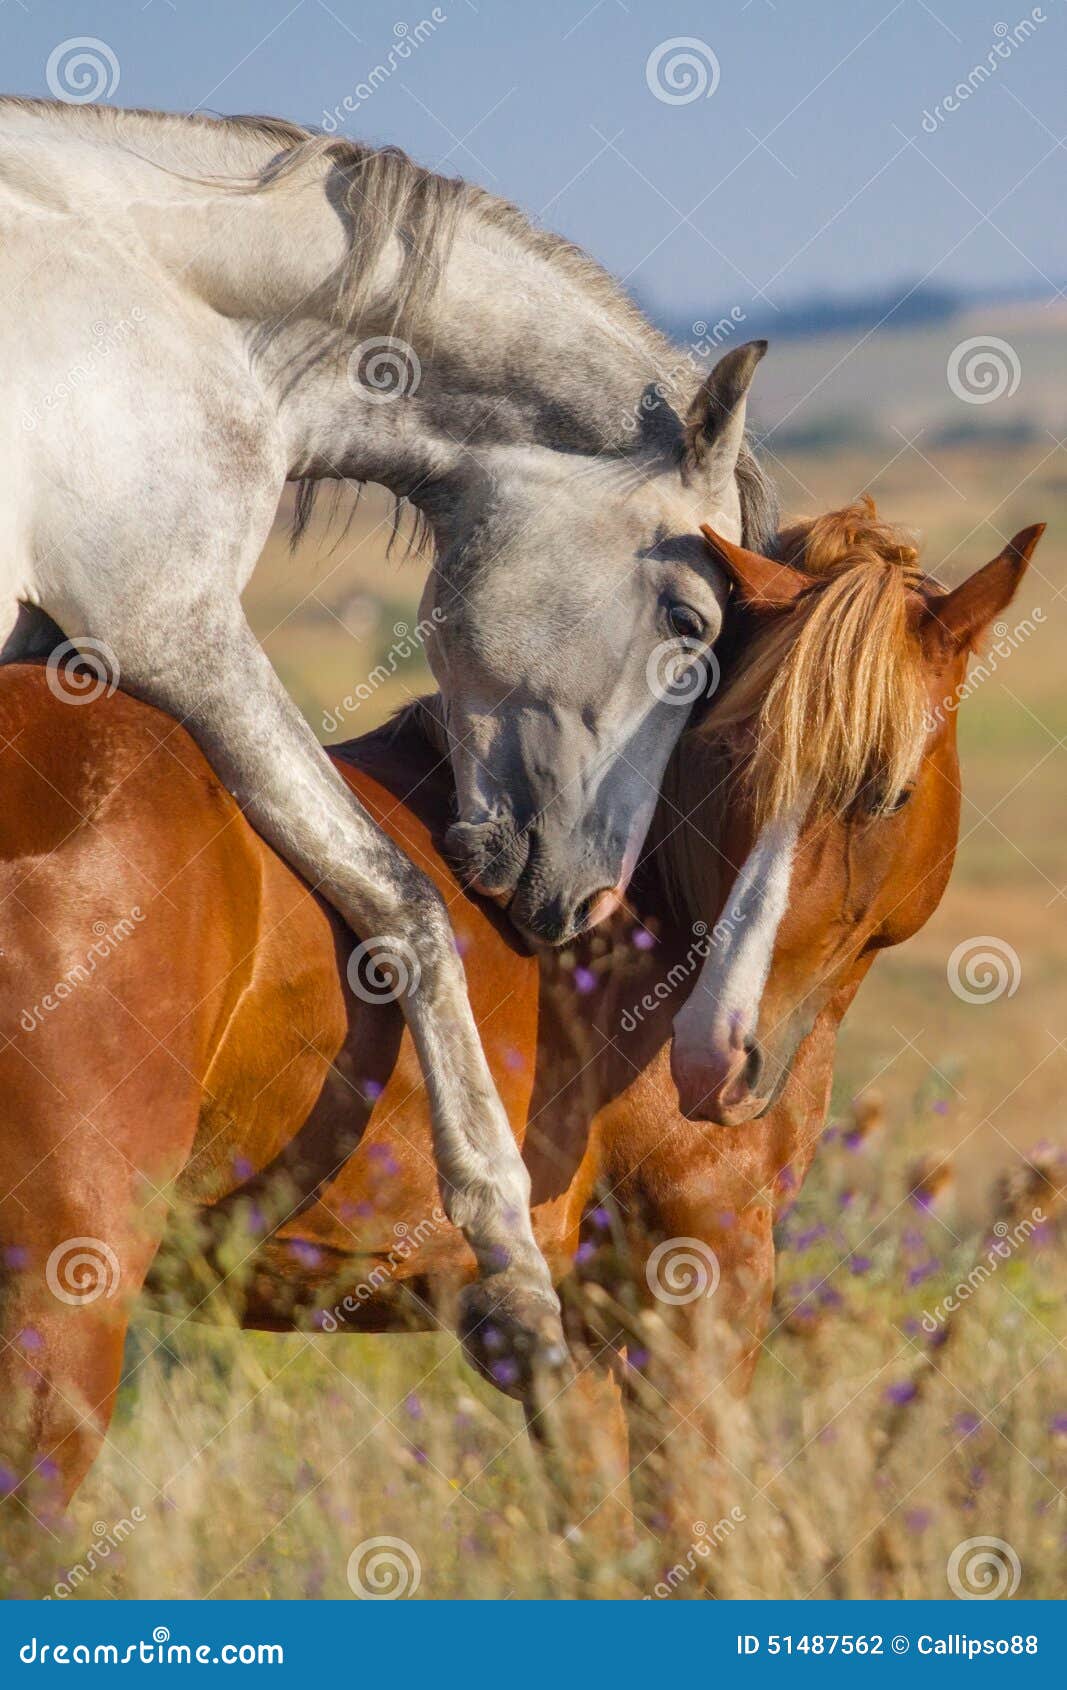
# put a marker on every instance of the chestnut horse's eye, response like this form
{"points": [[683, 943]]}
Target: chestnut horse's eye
{"points": [[687, 623], [877, 803], [903, 797]]}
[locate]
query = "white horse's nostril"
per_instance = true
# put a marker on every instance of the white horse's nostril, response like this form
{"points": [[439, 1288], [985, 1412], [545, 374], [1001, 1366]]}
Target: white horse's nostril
{"points": [[598, 906]]}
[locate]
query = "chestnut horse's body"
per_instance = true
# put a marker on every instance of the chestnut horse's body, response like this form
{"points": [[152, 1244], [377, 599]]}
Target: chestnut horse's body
{"points": [[178, 1017], [184, 1014]]}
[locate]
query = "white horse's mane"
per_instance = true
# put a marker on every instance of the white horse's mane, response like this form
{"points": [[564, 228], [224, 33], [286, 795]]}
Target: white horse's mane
{"points": [[388, 202], [385, 193]]}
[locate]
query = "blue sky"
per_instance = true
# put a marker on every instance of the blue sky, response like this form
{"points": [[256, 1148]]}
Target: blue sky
{"points": [[807, 169]]}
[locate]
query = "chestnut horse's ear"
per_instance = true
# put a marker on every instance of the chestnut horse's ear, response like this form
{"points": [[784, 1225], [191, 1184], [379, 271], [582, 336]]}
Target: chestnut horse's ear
{"points": [[760, 584], [965, 612]]}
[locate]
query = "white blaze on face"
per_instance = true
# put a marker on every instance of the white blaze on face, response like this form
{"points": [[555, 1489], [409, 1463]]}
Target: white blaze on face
{"points": [[723, 1009]]}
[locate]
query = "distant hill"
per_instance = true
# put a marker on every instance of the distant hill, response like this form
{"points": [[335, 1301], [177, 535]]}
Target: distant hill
{"points": [[904, 306], [899, 308], [954, 366]]}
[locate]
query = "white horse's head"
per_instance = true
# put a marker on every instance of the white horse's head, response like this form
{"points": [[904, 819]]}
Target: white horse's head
{"points": [[575, 608]]}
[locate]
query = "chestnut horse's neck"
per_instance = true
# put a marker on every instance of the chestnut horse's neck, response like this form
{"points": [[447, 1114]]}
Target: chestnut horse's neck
{"points": [[616, 987], [606, 1005]]}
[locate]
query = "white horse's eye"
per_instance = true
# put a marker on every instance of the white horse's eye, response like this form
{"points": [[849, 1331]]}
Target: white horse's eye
{"points": [[687, 623]]}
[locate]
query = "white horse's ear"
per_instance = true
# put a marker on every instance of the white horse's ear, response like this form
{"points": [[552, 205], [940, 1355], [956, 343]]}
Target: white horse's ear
{"points": [[759, 584], [966, 612], [715, 424]]}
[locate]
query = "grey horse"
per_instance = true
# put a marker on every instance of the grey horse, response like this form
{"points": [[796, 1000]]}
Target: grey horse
{"points": [[197, 310]]}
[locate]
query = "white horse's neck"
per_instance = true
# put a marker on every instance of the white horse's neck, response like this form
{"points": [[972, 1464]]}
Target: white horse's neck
{"points": [[517, 340]]}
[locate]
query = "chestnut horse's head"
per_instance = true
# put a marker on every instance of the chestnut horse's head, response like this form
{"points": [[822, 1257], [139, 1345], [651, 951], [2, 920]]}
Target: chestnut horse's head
{"points": [[828, 769]]}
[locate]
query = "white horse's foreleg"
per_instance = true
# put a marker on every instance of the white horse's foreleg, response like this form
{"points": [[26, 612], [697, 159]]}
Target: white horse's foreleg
{"points": [[208, 671]]}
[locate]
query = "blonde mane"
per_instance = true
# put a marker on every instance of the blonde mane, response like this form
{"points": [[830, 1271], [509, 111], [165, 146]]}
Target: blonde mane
{"points": [[832, 695], [827, 702]]}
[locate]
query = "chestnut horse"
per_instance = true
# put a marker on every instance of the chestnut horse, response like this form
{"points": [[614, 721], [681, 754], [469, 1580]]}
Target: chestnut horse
{"points": [[185, 1017]]}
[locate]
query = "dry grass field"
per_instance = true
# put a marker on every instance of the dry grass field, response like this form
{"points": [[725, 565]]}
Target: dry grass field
{"points": [[864, 1457]]}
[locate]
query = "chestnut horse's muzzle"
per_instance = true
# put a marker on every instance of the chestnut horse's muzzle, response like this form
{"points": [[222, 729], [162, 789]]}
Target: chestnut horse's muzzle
{"points": [[724, 1086]]}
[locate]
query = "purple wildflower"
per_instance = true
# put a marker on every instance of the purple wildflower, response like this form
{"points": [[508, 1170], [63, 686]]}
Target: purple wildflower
{"points": [[16, 1256], [902, 1391], [584, 980], [643, 939], [810, 1236], [307, 1254], [966, 1424], [860, 1264], [917, 1519]]}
